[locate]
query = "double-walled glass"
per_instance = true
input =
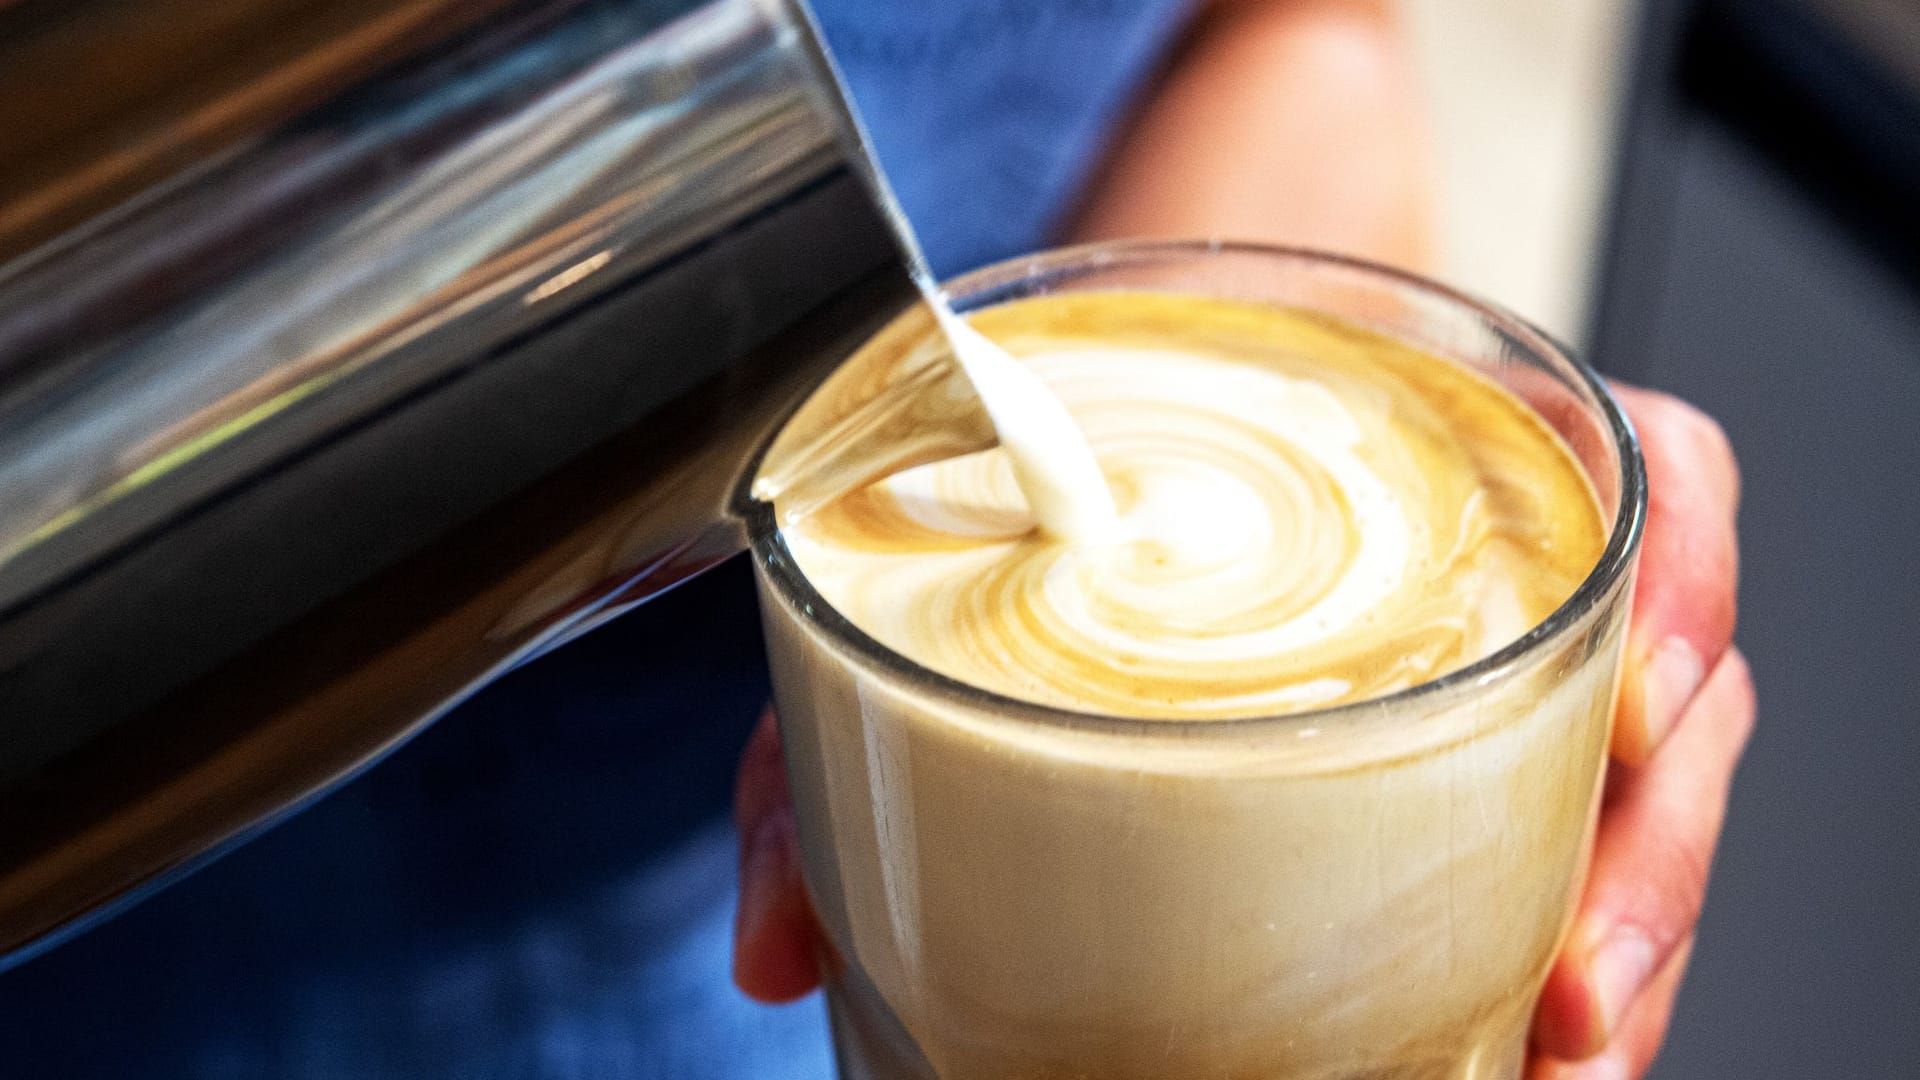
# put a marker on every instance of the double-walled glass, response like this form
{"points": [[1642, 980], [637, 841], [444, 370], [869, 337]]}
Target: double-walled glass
{"points": [[1014, 892]]}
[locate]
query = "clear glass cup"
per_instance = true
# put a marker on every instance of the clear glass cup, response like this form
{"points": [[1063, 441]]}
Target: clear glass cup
{"points": [[1374, 890]]}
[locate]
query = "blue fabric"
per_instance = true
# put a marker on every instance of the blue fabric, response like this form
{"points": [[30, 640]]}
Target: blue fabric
{"points": [[988, 115], [541, 886]]}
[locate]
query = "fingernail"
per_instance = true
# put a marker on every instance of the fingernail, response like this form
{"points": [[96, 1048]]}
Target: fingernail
{"points": [[1672, 675], [1607, 1067], [1621, 967]]}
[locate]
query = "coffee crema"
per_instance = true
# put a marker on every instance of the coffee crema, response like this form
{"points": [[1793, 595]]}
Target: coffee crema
{"points": [[1311, 514]]}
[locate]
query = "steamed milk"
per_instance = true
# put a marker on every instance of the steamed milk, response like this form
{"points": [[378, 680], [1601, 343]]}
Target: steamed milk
{"points": [[1303, 515], [1045, 453]]}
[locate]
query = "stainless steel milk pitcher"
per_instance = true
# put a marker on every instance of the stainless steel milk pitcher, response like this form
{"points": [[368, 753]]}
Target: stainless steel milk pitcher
{"points": [[352, 352]]}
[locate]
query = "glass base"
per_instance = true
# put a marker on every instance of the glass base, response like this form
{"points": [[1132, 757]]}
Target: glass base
{"points": [[870, 1043]]}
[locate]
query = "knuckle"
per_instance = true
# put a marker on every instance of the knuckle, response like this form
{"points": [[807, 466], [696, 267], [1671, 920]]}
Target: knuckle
{"points": [[1740, 709], [1716, 449], [1672, 896], [1706, 431], [1682, 421], [1707, 442], [1739, 676], [1727, 701]]}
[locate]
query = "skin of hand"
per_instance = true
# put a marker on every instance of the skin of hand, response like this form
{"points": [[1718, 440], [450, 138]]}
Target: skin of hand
{"points": [[1686, 712], [1216, 151]]}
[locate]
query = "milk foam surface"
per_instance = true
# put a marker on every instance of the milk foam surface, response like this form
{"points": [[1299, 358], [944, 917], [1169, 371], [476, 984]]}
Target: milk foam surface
{"points": [[1308, 514], [1055, 469]]}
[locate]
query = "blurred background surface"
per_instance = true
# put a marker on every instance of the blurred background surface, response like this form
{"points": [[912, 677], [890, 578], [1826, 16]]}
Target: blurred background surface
{"points": [[1722, 198], [1524, 107]]}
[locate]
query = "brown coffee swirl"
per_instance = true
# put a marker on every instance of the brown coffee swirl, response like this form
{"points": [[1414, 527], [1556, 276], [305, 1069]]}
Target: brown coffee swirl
{"points": [[1311, 514]]}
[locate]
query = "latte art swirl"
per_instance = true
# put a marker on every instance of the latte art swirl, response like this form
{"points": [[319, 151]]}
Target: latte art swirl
{"points": [[1310, 514]]}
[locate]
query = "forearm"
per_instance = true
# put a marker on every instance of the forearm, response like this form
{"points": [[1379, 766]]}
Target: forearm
{"points": [[1284, 121]]}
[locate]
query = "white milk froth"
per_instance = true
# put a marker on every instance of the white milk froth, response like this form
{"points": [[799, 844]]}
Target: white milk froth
{"points": [[1308, 514]]}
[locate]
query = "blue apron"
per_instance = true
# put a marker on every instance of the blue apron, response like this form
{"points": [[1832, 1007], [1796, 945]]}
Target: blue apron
{"points": [[541, 886]]}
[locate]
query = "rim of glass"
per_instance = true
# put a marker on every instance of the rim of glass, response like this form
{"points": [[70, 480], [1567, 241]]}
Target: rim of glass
{"points": [[989, 285]]}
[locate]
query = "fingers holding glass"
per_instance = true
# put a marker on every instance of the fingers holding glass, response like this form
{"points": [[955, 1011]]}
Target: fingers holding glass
{"points": [[1656, 840], [1683, 611], [773, 935]]}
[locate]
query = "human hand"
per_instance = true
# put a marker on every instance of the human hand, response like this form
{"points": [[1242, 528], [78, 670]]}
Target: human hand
{"points": [[1686, 709], [1685, 713]]}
